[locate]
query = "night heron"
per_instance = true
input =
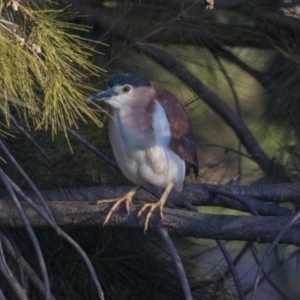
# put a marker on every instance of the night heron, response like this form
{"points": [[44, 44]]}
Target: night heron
{"points": [[151, 137]]}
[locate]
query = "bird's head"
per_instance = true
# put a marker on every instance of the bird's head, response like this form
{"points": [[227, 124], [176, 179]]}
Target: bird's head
{"points": [[126, 90]]}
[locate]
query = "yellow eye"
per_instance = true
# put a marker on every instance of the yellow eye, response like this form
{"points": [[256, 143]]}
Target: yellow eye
{"points": [[126, 89]]}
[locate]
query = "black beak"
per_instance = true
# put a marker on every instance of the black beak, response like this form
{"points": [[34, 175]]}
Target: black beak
{"points": [[107, 94]]}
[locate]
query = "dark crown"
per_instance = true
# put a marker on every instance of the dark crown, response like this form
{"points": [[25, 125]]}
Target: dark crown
{"points": [[128, 78]]}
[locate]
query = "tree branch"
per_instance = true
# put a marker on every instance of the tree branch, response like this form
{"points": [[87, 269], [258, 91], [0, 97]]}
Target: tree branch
{"points": [[215, 103], [177, 262], [267, 277], [283, 230], [196, 195], [33, 277], [13, 282], [48, 220], [24, 219], [170, 63], [177, 222], [180, 34], [2, 297], [232, 269]]}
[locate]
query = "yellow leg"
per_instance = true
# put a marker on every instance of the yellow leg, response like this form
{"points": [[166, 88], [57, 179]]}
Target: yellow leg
{"points": [[127, 199], [160, 204]]}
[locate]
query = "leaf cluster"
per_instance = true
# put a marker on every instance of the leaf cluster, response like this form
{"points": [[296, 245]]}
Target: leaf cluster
{"points": [[46, 63]]}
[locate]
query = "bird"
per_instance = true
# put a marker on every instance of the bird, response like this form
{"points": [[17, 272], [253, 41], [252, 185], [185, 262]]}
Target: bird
{"points": [[151, 138]]}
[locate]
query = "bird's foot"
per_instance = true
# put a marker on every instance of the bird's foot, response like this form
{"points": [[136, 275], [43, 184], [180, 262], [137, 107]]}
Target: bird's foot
{"points": [[160, 204], [127, 199]]}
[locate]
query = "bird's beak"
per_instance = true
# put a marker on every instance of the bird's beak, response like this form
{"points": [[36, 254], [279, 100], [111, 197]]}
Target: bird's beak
{"points": [[104, 95]]}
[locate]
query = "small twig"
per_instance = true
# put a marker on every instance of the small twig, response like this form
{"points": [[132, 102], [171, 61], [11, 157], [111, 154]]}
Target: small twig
{"points": [[65, 236], [233, 180], [283, 52], [177, 261], [265, 276], [18, 256], [18, 38], [239, 256], [110, 161], [190, 207], [4, 261], [170, 63], [87, 262], [233, 59], [275, 268], [2, 297], [21, 126], [13, 282], [92, 148], [30, 232], [239, 198], [30, 182], [35, 144], [237, 105], [270, 249], [231, 268], [278, 193], [33, 277]]}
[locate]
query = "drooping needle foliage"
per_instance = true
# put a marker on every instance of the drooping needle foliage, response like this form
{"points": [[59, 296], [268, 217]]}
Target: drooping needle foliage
{"points": [[45, 65]]}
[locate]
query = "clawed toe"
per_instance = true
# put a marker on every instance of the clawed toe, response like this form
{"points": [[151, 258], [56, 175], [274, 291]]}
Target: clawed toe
{"points": [[127, 199], [150, 212]]}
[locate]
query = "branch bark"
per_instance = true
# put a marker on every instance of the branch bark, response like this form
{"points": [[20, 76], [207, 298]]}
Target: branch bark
{"points": [[258, 196], [177, 222]]}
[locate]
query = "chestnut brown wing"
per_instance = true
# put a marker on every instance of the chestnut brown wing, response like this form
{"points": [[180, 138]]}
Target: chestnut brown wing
{"points": [[182, 137]]}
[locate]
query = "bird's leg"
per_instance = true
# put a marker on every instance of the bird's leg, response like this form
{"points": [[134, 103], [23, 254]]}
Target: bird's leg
{"points": [[127, 199], [160, 204]]}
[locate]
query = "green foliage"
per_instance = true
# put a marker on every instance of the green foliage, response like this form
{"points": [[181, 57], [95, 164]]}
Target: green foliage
{"points": [[45, 64]]}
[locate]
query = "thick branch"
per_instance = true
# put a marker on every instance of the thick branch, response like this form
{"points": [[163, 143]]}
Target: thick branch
{"points": [[177, 222], [197, 195]]}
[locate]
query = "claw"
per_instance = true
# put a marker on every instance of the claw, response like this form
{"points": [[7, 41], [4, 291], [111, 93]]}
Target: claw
{"points": [[127, 199], [160, 204], [152, 206], [116, 205]]}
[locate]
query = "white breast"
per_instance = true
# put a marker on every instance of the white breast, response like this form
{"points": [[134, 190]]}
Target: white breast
{"points": [[145, 158]]}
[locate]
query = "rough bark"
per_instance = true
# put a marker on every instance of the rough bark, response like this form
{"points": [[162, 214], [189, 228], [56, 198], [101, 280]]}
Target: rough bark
{"points": [[178, 222], [68, 211]]}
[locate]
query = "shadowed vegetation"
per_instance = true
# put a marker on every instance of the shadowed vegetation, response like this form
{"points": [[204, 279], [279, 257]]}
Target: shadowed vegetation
{"points": [[235, 68]]}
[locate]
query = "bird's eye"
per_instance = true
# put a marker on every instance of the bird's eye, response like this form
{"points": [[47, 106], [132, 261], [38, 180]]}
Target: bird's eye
{"points": [[126, 89]]}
